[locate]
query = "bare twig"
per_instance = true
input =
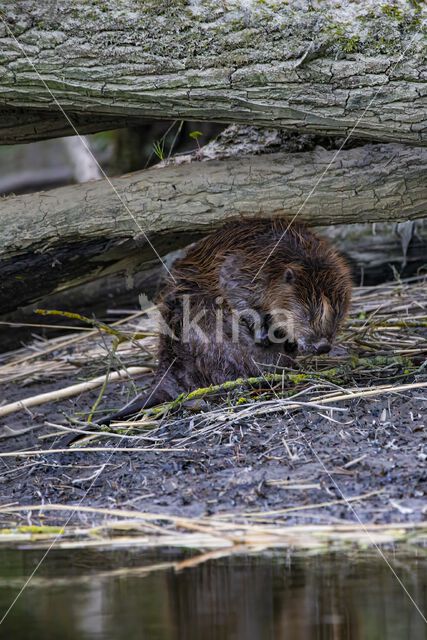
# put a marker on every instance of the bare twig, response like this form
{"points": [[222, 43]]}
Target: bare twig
{"points": [[68, 392]]}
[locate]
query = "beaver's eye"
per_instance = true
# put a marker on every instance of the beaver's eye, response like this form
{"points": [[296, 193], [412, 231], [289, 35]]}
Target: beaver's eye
{"points": [[267, 320]]}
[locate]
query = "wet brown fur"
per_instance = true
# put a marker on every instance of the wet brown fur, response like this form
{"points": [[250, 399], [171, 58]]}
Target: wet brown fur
{"points": [[304, 276]]}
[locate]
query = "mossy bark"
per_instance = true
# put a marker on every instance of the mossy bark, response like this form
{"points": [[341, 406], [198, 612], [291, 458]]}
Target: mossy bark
{"points": [[311, 65]]}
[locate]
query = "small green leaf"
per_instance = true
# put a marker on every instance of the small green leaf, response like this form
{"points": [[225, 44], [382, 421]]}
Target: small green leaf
{"points": [[195, 134], [159, 149]]}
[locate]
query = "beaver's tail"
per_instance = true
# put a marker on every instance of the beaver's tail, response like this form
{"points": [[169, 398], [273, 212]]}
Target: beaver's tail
{"points": [[159, 393], [135, 406]]}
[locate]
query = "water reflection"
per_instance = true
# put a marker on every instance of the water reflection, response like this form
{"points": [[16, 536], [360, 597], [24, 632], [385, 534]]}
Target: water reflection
{"points": [[90, 594]]}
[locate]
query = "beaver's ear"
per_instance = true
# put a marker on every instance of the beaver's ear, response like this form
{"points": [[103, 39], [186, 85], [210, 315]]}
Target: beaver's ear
{"points": [[289, 276]]}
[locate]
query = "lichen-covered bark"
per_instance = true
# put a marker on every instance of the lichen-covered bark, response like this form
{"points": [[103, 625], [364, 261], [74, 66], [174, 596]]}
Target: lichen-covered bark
{"points": [[307, 64], [52, 240]]}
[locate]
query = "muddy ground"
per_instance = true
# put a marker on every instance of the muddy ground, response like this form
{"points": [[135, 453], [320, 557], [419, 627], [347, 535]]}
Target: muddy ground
{"points": [[375, 449]]}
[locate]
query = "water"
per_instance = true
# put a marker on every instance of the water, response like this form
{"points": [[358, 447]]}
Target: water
{"points": [[91, 594]]}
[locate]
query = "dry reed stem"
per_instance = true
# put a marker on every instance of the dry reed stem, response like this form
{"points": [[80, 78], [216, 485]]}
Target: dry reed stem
{"points": [[70, 391], [111, 450], [61, 343], [209, 532], [316, 505]]}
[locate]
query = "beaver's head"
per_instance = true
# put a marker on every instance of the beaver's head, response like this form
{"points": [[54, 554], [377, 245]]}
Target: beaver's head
{"points": [[306, 304]]}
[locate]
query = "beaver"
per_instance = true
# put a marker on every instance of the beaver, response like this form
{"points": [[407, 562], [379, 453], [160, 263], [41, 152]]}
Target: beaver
{"points": [[244, 299]]}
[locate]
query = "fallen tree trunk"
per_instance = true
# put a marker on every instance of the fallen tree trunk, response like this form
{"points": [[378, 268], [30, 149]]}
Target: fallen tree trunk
{"points": [[50, 241], [308, 65]]}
